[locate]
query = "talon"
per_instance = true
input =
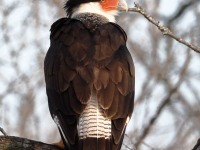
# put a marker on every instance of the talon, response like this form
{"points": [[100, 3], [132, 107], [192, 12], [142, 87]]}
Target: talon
{"points": [[59, 144]]}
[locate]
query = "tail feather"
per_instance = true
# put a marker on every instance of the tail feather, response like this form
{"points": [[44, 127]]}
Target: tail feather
{"points": [[95, 144], [68, 130], [91, 130]]}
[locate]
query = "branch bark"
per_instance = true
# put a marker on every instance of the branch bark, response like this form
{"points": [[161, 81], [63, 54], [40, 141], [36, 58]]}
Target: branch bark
{"points": [[197, 146], [18, 143], [162, 28], [2, 130]]}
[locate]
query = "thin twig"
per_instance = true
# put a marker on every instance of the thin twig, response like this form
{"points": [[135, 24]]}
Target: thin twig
{"points": [[4, 133], [164, 103], [131, 143], [162, 28], [127, 147], [150, 147], [181, 10]]}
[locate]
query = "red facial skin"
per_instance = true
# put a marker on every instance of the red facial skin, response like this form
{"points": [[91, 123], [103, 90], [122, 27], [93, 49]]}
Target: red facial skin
{"points": [[109, 5]]}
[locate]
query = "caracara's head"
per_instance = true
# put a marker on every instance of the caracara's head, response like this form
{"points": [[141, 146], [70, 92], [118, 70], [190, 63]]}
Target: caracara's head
{"points": [[107, 8]]}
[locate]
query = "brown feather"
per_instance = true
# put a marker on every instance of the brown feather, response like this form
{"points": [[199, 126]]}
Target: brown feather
{"points": [[68, 124], [131, 104], [82, 89], [108, 39], [121, 113], [123, 86], [97, 83], [86, 73], [95, 144], [105, 95], [110, 113], [103, 77], [80, 61], [74, 102], [115, 71], [118, 128], [65, 76]]}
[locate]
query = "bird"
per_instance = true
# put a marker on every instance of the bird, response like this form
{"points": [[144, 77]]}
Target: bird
{"points": [[90, 76]]}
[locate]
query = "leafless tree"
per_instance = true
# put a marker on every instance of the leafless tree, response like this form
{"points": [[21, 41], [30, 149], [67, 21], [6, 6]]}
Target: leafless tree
{"points": [[167, 104]]}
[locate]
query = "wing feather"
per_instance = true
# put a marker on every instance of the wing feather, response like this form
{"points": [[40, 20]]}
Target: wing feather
{"points": [[115, 71], [79, 62], [105, 95], [111, 112], [68, 85], [82, 89], [118, 129]]}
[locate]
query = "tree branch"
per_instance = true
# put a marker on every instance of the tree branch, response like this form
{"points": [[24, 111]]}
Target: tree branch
{"points": [[162, 28], [17, 143], [2, 130], [197, 146], [181, 10], [164, 103]]}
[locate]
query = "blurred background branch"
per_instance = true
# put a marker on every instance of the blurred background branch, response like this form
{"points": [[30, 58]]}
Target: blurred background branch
{"points": [[167, 100], [164, 103], [16, 143]]}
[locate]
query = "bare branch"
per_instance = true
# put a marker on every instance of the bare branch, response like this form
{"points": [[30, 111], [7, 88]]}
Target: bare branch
{"points": [[16, 143], [4, 133], [164, 103], [162, 28], [132, 144], [181, 10]]}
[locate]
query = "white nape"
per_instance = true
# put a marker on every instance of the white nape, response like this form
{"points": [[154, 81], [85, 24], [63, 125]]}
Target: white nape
{"points": [[95, 7]]}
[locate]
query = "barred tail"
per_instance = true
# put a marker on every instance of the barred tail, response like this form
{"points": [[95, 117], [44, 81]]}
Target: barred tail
{"points": [[94, 129]]}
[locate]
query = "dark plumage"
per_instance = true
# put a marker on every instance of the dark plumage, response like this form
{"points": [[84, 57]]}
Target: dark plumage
{"points": [[89, 58]]}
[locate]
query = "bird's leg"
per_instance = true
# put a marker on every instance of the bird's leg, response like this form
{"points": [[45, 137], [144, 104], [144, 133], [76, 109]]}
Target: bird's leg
{"points": [[60, 144]]}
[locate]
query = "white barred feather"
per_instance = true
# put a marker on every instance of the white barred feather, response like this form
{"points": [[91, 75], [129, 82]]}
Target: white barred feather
{"points": [[92, 122]]}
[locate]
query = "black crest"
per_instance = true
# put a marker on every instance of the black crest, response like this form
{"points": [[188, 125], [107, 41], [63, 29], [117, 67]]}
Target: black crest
{"points": [[70, 5]]}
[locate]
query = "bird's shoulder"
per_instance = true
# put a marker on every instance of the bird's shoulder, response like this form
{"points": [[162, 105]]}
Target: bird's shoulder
{"points": [[66, 24]]}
